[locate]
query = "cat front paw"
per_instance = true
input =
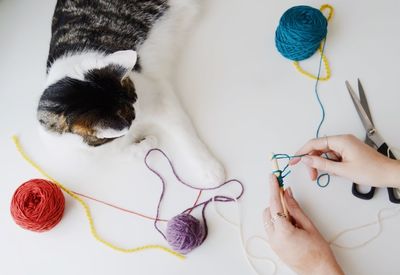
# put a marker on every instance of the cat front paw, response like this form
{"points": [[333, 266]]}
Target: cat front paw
{"points": [[213, 173], [139, 148]]}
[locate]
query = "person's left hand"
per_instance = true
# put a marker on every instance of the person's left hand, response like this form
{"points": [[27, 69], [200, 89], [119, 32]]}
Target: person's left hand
{"points": [[295, 239]]}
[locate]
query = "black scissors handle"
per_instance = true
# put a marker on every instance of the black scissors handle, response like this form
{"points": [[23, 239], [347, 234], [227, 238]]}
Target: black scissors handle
{"points": [[384, 150], [360, 195], [392, 195]]}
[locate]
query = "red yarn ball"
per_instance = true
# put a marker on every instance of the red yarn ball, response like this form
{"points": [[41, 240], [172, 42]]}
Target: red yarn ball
{"points": [[37, 205]]}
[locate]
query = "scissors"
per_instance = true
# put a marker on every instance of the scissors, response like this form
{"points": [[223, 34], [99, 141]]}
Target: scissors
{"points": [[372, 138]]}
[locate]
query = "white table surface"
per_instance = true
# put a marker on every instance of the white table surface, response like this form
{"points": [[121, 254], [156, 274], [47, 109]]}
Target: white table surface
{"points": [[246, 101]]}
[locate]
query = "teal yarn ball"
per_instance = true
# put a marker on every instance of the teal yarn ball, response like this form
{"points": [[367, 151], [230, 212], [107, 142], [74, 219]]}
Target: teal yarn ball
{"points": [[300, 32]]}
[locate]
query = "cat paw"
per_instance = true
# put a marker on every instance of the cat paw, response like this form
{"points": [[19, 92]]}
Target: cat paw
{"points": [[140, 148], [149, 142], [213, 174]]}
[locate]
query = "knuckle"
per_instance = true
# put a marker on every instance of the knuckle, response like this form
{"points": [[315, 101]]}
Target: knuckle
{"points": [[313, 140], [274, 242], [321, 164], [286, 232], [324, 164], [268, 231], [292, 204], [350, 137]]}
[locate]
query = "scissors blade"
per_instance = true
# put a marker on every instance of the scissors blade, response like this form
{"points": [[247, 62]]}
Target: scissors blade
{"points": [[372, 134], [363, 100], [369, 142], [360, 110]]}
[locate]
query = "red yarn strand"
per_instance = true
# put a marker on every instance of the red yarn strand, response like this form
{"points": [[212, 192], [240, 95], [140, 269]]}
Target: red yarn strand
{"points": [[119, 208], [127, 210], [38, 205]]}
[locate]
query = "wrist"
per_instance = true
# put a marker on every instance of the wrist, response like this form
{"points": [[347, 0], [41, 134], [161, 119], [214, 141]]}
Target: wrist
{"points": [[326, 267], [332, 268]]}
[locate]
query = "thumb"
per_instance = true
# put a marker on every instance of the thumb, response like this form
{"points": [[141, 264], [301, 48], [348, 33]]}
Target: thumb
{"points": [[296, 212], [321, 163]]}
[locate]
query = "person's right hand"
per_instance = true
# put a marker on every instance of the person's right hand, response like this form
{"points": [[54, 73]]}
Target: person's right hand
{"points": [[356, 161]]}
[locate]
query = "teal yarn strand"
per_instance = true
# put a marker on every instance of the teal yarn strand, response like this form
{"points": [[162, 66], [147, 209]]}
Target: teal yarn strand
{"points": [[300, 32], [281, 174], [323, 113], [323, 116], [284, 172]]}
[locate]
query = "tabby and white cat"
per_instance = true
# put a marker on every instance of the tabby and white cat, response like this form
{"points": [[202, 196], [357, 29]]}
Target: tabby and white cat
{"points": [[108, 76]]}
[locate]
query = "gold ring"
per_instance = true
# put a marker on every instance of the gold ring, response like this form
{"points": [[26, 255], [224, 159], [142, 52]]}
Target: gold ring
{"points": [[277, 216]]}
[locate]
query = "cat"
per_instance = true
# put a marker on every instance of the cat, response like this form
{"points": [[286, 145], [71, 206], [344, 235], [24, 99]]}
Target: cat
{"points": [[109, 73]]}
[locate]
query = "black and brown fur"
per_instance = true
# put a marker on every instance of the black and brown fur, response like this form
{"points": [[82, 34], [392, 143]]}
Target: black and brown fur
{"points": [[102, 25], [104, 97], [76, 106]]}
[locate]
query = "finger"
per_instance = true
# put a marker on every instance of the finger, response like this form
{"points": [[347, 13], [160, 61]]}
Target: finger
{"points": [[276, 205], [312, 172], [268, 225], [294, 161], [297, 158], [275, 196], [323, 144], [322, 164], [297, 213]]}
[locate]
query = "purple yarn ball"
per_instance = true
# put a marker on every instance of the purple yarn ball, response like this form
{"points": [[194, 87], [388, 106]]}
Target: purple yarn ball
{"points": [[184, 233]]}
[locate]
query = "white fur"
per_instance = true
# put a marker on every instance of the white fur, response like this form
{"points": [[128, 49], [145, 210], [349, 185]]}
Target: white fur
{"points": [[126, 59], [158, 110], [76, 65], [110, 133]]}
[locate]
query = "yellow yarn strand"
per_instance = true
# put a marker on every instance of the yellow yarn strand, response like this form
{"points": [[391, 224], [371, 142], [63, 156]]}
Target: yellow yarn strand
{"points": [[86, 208], [324, 58]]}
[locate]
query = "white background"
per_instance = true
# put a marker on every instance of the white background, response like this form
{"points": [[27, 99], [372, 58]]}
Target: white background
{"points": [[245, 100]]}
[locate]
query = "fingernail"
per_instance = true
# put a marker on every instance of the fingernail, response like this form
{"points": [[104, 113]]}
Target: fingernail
{"points": [[307, 160], [289, 191]]}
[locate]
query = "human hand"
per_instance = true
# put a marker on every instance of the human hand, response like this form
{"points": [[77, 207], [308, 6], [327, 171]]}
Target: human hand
{"points": [[295, 239], [355, 161]]}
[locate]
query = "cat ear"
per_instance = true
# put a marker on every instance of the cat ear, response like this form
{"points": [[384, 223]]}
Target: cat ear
{"points": [[127, 59]]}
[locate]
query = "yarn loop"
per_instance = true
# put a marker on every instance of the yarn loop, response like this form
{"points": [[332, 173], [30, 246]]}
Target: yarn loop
{"points": [[37, 205], [87, 211]]}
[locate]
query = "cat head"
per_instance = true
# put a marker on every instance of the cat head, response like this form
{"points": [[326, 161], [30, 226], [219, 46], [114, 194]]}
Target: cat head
{"points": [[92, 98]]}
